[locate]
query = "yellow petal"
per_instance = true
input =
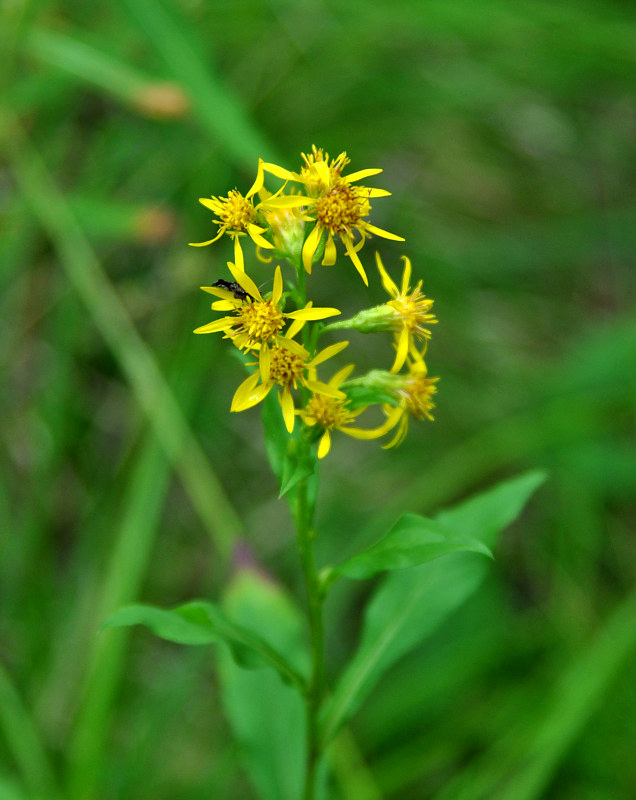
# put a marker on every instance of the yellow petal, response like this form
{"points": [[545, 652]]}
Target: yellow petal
{"points": [[263, 362], [374, 192], [374, 433], [313, 313], [287, 404], [351, 252], [238, 254], [288, 201], [258, 182], [244, 392], [255, 233], [223, 324], [341, 376], [210, 241], [218, 291], [309, 248], [362, 173], [296, 326], [387, 282], [279, 172], [245, 282], [402, 350], [277, 290], [406, 275], [318, 387], [294, 347], [330, 254], [322, 170], [385, 234], [328, 352], [325, 444], [223, 305], [211, 203]]}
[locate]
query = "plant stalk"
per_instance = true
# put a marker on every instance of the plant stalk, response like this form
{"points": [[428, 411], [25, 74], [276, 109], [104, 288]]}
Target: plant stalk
{"points": [[315, 691]]}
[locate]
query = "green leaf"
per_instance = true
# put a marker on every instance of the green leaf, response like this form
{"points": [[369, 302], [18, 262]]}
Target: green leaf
{"points": [[296, 470], [198, 623], [267, 715], [408, 606], [411, 541]]}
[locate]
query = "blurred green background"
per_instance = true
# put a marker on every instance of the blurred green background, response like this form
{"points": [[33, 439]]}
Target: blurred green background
{"points": [[507, 134]]}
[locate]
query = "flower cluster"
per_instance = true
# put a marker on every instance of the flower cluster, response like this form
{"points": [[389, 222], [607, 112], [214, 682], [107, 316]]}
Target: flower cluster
{"points": [[303, 222]]}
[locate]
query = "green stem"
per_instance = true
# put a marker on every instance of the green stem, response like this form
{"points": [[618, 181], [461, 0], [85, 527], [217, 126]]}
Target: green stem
{"points": [[315, 691]]}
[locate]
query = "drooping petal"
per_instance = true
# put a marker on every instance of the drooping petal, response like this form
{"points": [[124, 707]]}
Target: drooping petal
{"points": [[245, 282], [264, 362], [255, 233], [387, 281], [238, 254], [402, 351], [210, 241], [277, 289], [330, 256], [287, 404], [328, 352], [360, 174], [309, 248], [325, 444], [385, 234], [374, 433], [348, 243]]}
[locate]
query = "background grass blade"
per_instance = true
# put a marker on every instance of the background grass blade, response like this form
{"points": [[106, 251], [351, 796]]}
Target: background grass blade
{"points": [[135, 358]]}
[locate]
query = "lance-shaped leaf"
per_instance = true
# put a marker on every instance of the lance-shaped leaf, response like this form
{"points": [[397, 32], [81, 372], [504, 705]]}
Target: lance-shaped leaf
{"points": [[410, 605], [199, 622], [413, 540]]}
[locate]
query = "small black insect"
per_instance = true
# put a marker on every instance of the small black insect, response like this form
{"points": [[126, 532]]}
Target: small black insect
{"points": [[237, 290]]}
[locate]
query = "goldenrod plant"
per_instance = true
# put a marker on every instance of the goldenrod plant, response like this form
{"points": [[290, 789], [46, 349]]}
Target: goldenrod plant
{"points": [[306, 381]]}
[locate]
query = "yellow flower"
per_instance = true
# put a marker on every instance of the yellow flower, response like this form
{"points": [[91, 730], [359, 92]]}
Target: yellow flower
{"points": [[332, 413], [410, 312], [288, 365], [414, 394], [238, 216], [337, 208], [256, 321]]}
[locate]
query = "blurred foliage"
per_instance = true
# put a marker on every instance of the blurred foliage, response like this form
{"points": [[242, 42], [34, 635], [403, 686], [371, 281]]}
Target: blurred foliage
{"points": [[507, 136]]}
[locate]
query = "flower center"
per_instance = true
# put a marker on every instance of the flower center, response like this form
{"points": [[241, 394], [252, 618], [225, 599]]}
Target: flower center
{"points": [[328, 411], [341, 208], [286, 368], [313, 177], [412, 312], [261, 321], [418, 394], [236, 211]]}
